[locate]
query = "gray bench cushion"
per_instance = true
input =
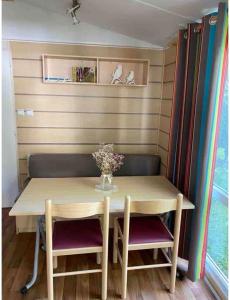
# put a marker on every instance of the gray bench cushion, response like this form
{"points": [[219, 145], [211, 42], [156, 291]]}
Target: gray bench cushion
{"points": [[62, 165], [83, 165], [140, 165]]}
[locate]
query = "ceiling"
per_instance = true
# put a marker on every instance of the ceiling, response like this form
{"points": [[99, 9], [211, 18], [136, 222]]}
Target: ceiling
{"points": [[153, 21]]}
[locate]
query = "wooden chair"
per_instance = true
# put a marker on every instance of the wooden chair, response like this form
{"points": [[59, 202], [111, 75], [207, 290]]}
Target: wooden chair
{"points": [[147, 232], [80, 236]]}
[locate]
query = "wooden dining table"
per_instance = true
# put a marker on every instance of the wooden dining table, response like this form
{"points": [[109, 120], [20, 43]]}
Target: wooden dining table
{"points": [[83, 189]]}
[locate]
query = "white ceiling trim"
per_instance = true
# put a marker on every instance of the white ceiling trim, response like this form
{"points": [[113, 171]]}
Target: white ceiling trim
{"points": [[155, 48], [170, 12]]}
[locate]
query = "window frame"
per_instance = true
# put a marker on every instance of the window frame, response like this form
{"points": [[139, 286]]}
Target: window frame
{"points": [[215, 279]]}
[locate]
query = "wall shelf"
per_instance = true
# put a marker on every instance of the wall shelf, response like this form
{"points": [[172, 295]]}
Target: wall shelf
{"points": [[68, 69]]}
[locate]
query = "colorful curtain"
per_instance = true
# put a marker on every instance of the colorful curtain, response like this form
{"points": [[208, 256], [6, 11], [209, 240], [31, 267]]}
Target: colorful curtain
{"points": [[198, 92]]}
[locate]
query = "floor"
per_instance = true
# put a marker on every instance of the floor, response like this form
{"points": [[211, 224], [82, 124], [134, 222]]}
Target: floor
{"points": [[142, 284]]}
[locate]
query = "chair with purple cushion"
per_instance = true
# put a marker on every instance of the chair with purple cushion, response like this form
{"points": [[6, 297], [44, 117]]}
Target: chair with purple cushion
{"points": [[70, 237], [147, 232]]}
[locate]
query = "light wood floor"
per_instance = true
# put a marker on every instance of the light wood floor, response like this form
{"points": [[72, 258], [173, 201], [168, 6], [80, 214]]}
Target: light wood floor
{"points": [[142, 284]]}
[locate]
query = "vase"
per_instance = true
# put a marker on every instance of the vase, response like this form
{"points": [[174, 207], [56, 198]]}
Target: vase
{"points": [[106, 182]]}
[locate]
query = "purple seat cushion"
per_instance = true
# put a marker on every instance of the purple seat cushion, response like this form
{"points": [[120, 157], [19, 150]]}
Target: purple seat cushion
{"points": [[77, 234], [146, 230]]}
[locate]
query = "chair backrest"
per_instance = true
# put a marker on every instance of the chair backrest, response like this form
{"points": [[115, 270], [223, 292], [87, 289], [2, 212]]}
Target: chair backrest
{"points": [[154, 207], [77, 210]]}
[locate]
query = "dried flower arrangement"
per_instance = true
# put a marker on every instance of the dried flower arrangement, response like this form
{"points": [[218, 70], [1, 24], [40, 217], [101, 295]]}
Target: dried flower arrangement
{"points": [[107, 161]]}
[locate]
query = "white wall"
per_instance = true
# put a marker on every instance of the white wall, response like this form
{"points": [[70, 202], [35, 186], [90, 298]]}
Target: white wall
{"points": [[9, 160], [23, 21]]}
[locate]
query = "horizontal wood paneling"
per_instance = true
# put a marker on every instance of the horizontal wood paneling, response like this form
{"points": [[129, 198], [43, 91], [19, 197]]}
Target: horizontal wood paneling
{"points": [[163, 140], [23, 167], [169, 72], [34, 51], [168, 90], [22, 179], [36, 86], [84, 136], [164, 156], [27, 68], [84, 120], [155, 73], [24, 150], [166, 107], [170, 55], [84, 104], [72, 118], [33, 68], [165, 123]]}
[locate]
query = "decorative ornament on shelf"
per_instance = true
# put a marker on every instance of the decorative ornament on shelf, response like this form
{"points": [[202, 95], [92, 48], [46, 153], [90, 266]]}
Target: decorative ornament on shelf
{"points": [[108, 162], [116, 76], [130, 78]]}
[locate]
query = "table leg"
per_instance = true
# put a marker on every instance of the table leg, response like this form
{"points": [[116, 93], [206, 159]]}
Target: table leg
{"points": [[42, 232], [29, 284], [181, 273]]}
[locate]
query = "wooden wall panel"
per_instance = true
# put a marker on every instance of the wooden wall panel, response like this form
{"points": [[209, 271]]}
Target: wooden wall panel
{"points": [[168, 90], [169, 72], [85, 136], [27, 68], [165, 123], [164, 156], [22, 179], [86, 120], [166, 107], [33, 68], [88, 104], [163, 140], [170, 55], [35, 86], [72, 118], [166, 104], [155, 73], [25, 149], [25, 50], [23, 167]]}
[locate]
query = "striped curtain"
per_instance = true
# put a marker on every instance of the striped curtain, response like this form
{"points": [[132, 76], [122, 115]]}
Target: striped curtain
{"points": [[198, 92]]}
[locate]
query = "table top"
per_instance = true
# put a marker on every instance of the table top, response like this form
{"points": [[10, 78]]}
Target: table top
{"points": [[82, 189]]}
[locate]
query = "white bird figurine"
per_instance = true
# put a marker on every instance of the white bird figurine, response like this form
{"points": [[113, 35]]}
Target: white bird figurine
{"points": [[130, 78], [117, 73]]}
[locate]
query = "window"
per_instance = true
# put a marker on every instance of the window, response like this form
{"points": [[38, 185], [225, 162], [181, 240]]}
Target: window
{"points": [[217, 251]]}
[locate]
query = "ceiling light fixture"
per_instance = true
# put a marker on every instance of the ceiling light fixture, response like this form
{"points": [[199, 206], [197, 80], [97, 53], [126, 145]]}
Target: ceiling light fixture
{"points": [[72, 11]]}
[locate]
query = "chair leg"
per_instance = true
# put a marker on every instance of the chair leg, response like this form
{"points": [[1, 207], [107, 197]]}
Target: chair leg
{"points": [[155, 254], [124, 273], [173, 272], [104, 274], [115, 241], [55, 262], [98, 258], [50, 279]]}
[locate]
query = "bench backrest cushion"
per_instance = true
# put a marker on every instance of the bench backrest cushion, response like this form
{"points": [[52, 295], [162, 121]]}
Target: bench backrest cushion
{"points": [[140, 165], [83, 165]]}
